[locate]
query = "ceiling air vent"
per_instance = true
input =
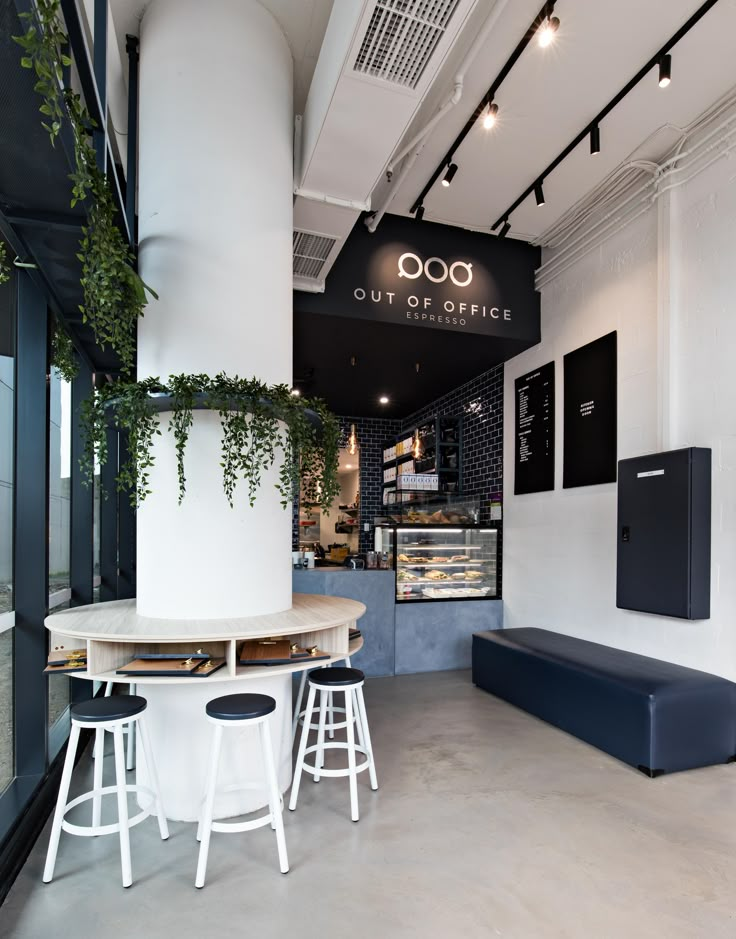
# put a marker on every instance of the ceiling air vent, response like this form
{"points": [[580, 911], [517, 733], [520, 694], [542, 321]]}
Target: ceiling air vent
{"points": [[401, 37], [310, 253]]}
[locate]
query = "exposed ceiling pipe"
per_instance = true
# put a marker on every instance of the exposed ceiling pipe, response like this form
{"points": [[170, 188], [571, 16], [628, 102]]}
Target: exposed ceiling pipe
{"points": [[416, 144]]}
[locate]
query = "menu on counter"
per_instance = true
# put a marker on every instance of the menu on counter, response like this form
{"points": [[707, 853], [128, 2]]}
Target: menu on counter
{"points": [[534, 463]]}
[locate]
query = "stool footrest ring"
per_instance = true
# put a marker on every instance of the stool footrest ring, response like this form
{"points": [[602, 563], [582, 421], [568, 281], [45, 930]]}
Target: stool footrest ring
{"points": [[337, 745], [91, 831]]}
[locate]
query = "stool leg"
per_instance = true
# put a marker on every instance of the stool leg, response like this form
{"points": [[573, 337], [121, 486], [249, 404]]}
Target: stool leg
{"points": [[122, 794], [163, 826], [98, 755], [302, 747], [108, 692], [320, 761], [332, 717], [129, 764], [66, 778], [363, 722], [297, 709], [274, 795], [209, 808], [351, 756]]}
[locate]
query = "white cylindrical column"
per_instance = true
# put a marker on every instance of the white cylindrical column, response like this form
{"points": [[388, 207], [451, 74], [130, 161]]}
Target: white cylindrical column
{"points": [[215, 219]]}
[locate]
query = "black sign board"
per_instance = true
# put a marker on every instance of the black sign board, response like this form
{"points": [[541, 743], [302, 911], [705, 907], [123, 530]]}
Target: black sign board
{"points": [[434, 276], [590, 414], [534, 465]]}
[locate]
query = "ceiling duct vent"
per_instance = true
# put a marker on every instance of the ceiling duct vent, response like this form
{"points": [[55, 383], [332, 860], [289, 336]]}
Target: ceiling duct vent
{"points": [[401, 37], [311, 253]]}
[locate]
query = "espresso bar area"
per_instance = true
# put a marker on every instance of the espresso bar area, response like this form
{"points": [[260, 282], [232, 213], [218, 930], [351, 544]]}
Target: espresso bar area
{"points": [[403, 638]]}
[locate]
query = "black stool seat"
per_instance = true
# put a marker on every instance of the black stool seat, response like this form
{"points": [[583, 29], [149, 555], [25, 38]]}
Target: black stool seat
{"points": [[340, 675], [114, 708], [239, 707]]}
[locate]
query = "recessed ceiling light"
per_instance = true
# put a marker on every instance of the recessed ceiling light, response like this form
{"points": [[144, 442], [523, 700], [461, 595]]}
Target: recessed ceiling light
{"points": [[383, 399], [348, 466]]}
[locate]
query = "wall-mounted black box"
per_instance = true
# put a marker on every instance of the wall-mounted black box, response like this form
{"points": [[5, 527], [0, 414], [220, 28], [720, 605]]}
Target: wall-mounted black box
{"points": [[663, 557]]}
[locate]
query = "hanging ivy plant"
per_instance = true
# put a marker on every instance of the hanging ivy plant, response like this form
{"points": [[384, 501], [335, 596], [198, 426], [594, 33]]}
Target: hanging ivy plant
{"points": [[114, 294], [262, 426], [4, 266], [63, 356]]}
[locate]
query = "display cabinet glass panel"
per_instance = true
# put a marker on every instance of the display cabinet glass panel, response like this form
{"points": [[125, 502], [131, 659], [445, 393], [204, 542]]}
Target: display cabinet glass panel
{"points": [[442, 563]]}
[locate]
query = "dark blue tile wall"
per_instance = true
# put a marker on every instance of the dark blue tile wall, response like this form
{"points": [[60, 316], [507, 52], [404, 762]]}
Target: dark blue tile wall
{"points": [[480, 403]]}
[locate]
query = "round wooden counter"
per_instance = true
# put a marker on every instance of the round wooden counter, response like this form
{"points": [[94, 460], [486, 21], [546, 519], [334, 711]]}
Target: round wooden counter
{"points": [[114, 634]]}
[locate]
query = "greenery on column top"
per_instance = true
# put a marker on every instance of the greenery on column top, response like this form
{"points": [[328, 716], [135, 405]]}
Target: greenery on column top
{"points": [[4, 266], [262, 426], [114, 294]]}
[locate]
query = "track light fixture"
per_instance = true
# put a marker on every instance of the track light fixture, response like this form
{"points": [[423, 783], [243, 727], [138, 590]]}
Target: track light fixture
{"points": [[505, 229], [547, 30], [661, 59], [595, 139], [491, 114], [419, 214], [539, 193], [450, 174]]}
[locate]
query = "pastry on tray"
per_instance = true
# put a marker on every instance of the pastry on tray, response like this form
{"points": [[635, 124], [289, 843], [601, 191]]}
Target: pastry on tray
{"points": [[459, 557], [473, 575], [437, 575]]}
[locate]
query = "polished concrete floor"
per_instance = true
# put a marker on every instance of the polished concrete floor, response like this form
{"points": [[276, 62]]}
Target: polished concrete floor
{"points": [[488, 823]]}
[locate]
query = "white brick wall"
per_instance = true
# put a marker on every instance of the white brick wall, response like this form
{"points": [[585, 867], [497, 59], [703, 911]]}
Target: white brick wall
{"points": [[560, 547]]}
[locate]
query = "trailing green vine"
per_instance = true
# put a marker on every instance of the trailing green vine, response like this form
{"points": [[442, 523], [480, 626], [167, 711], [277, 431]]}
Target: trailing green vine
{"points": [[4, 266], [262, 426], [114, 294], [63, 356]]}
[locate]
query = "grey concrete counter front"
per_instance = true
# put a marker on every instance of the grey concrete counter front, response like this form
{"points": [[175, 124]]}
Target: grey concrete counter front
{"points": [[376, 590], [401, 638]]}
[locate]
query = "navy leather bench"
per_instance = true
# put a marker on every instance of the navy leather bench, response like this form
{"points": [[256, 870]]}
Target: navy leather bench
{"points": [[655, 715]]}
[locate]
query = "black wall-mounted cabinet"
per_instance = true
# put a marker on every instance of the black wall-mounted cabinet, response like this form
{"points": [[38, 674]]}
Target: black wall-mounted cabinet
{"points": [[663, 557]]}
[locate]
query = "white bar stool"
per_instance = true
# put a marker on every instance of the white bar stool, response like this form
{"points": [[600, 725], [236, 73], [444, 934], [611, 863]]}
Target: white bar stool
{"points": [[106, 714], [327, 681], [331, 709], [241, 710]]}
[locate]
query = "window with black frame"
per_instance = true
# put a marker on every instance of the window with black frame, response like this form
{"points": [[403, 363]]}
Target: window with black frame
{"points": [[7, 406]]}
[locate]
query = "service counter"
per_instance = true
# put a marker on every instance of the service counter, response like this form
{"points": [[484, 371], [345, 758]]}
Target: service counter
{"points": [[403, 638]]}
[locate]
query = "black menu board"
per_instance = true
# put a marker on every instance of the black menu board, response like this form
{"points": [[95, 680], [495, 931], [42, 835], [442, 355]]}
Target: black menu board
{"points": [[590, 414], [534, 468]]}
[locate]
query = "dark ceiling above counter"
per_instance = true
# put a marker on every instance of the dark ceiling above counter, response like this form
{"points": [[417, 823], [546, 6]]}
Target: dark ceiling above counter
{"points": [[453, 302]]}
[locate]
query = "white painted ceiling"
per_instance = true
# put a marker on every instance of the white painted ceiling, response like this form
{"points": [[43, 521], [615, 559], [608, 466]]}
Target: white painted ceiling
{"points": [[548, 98], [303, 23], [552, 94]]}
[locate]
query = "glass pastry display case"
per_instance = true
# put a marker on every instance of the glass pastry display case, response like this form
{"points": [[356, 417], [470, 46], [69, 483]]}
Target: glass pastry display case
{"points": [[442, 563]]}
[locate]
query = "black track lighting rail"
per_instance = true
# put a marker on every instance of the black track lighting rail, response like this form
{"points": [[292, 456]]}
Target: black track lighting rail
{"points": [[487, 98], [643, 71]]}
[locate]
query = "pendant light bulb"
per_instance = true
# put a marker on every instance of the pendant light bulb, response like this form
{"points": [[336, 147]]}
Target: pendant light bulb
{"points": [[416, 446], [352, 441], [665, 70], [450, 174], [547, 31], [491, 114]]}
